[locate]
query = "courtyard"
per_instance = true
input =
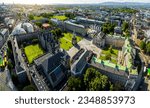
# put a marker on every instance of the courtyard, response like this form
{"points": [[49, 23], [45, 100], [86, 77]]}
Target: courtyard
{"points": [[66, 41], [32, 52], [110, 54], [86, 44]]}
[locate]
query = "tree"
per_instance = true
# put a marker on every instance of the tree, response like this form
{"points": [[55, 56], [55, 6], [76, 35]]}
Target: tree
{"points": [[127, 33], [142, 45], [111, 87], [148, 48], [53, 32], [47, 15], [89, 76], [31, 17], [39, 24], [69, 15], [10, 65], [95, 85], [108, 28], [58, 32], [108, 56], [111, 49], [105, 30], [95, 81], [74, 84], [29, 88], [125, 26]]}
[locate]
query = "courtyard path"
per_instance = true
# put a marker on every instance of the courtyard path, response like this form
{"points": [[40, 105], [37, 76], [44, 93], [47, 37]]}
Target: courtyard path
{"points": [[66, 39]]}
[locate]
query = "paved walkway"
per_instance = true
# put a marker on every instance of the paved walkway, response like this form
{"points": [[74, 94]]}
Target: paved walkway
{"points": [[4, 80], [87, 44]]}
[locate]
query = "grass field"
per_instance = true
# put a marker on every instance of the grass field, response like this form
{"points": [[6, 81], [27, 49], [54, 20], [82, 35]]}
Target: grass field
{"points": [[65, 42], [32, 52], [62, 18]]}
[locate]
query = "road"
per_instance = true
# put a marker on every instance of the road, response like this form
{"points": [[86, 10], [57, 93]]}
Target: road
{"points": [[146, 84], [5, 81], [134, 38], [38, 80]]}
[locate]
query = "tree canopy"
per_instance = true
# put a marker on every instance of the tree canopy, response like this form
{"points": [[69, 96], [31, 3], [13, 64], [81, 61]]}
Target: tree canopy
{"points": [[92, 80], [31, 17], [108, 28], [74, 84], [69, 15], [95, 81], [57, 32], [145, 46], [148, 48], [125, 26], [142, 45]]}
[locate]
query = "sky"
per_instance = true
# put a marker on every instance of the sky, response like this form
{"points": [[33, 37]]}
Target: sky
{"points": [[66, 1]]}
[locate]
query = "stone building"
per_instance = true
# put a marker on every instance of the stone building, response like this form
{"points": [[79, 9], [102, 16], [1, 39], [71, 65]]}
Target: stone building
{"points": [[54, 67], [101, 40], [45, 38], [79, 29]]}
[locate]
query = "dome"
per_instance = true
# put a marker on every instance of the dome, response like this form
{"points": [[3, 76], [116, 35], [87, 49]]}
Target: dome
{"points": [[18, 31], [28, 27]]}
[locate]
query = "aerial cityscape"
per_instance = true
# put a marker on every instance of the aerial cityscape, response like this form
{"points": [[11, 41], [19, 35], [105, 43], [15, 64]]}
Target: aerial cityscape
{"points": [[53, 45]]}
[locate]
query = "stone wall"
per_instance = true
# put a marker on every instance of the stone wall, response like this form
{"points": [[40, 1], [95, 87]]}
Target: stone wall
{"points": [[116, 42]]}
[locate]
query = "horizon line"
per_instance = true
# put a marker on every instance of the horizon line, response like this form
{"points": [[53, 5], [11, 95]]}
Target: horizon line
{"points": [[77, 3]]}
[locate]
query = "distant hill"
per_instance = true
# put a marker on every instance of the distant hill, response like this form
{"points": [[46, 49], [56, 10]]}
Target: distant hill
{"points": [[125, 4]]}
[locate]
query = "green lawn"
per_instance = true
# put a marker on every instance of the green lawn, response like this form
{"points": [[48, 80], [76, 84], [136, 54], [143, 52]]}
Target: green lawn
{"points": [[38, 17], [32, 52], [114, 55], [64, 44], [1, 60], [65, 41], [61, 17]]}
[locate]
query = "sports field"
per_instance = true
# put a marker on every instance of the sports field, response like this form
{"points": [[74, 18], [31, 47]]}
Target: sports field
{"points": [[32, 52]]}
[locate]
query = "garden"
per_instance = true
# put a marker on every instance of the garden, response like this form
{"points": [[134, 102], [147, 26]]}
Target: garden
{"points": [[109, 53]]}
